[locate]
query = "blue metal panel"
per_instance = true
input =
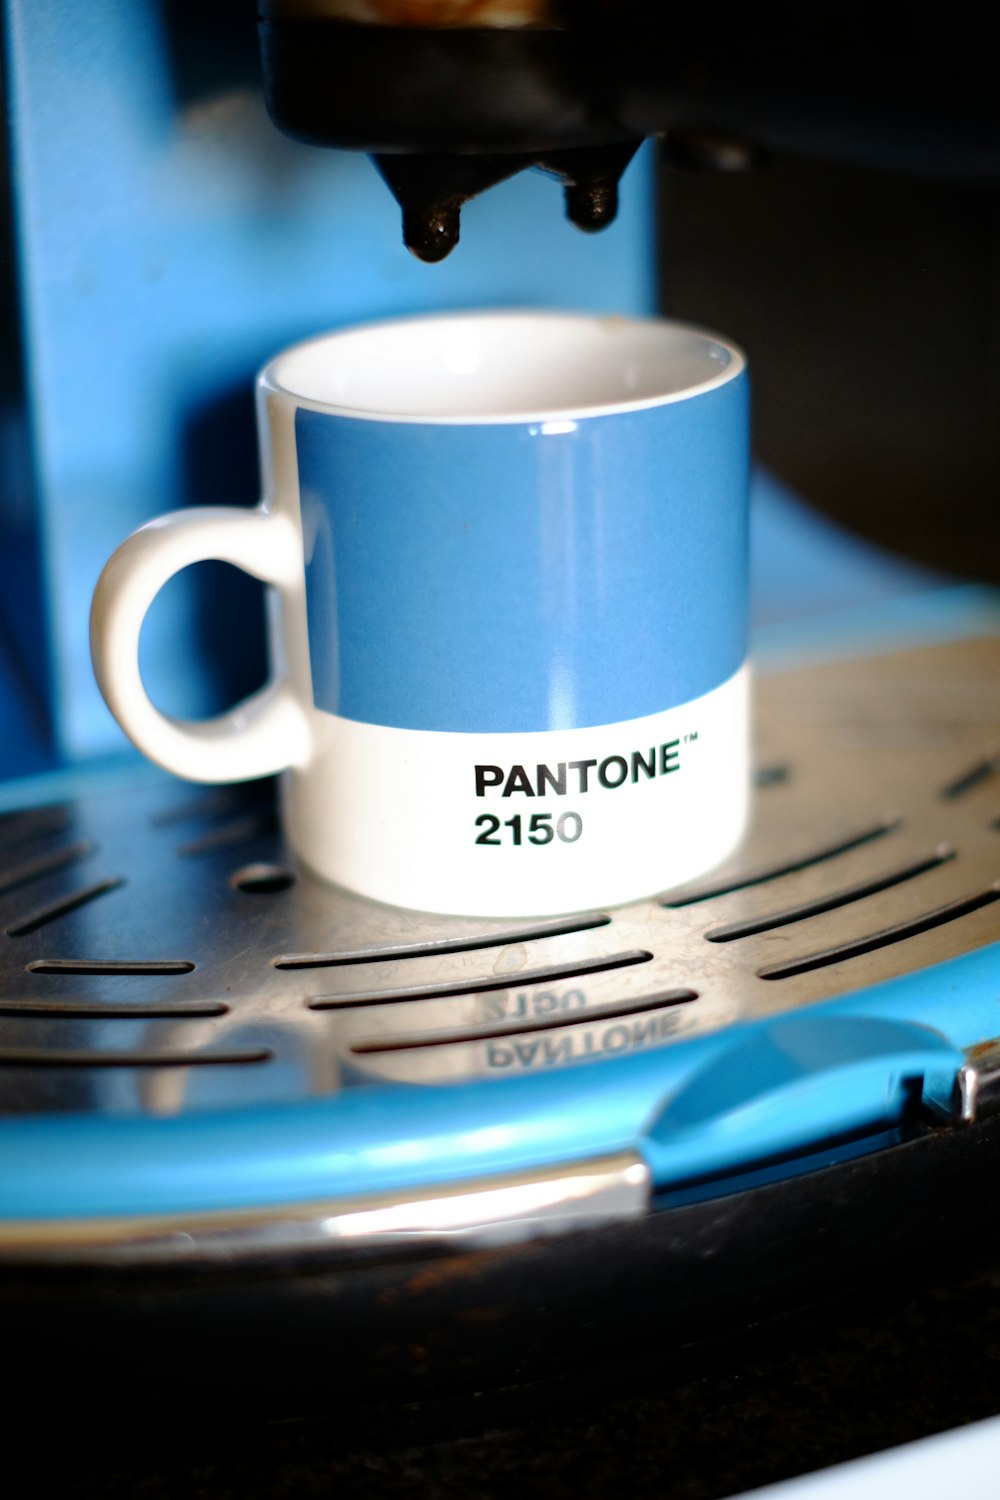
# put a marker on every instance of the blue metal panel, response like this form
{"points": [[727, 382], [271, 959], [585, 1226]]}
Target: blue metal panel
{"points": [[170, 240]]}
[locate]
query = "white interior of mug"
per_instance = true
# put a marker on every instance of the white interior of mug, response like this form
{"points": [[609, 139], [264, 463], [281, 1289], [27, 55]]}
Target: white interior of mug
{"points": [[502, 367]]}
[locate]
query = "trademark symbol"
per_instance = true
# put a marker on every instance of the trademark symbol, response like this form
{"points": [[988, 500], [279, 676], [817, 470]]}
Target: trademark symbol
{"points": [[688, 738]]}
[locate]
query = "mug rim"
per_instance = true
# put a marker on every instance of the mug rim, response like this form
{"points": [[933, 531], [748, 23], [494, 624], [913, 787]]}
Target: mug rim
{"points": [[272, 382]]}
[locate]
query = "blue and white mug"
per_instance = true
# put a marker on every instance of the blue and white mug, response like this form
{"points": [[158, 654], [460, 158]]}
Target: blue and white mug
{"points": [[508, 553]]}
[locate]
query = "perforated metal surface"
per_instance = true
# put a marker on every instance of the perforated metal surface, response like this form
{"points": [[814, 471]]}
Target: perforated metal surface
{"points": [[161, 954]]}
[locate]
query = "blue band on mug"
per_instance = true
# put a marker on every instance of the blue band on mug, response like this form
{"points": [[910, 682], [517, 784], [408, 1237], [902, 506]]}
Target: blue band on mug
{"points": [[525, 576]]}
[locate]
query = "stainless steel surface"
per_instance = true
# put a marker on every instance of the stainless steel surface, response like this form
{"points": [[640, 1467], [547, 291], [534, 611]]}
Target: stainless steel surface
{"points": [[161, 955], [476, 1215]]}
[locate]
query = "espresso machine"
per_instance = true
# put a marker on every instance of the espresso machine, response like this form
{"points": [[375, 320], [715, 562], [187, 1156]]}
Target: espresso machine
{"points": [[231, 1096]]}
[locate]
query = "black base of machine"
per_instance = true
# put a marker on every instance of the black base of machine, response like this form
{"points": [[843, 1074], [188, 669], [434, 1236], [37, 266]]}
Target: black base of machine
{"points": [[823, 1244]]}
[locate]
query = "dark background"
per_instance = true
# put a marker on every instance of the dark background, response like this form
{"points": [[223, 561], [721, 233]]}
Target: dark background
{"points": [[869, 304], [671, 1423]]}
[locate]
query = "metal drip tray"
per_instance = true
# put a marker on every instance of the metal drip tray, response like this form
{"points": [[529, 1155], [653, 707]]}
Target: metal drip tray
{"points": [[161, 956]]}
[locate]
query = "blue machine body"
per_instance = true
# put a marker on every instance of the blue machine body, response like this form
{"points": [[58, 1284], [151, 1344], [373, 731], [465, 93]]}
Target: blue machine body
{"points": [[169, 241]]}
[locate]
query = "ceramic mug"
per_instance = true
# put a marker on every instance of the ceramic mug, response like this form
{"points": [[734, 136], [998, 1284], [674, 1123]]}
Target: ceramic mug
{"points": [[508, 559]]}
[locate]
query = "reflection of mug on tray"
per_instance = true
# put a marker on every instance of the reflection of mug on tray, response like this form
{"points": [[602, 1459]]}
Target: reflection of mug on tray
{"points": [[508, 553]]}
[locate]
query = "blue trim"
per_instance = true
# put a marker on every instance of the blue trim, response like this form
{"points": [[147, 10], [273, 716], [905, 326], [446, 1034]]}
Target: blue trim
{"points": [[848, 1064], [114, 773], [929, 618]]}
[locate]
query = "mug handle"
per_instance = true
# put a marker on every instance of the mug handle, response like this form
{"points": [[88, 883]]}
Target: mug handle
{"points": [[264, 733]]}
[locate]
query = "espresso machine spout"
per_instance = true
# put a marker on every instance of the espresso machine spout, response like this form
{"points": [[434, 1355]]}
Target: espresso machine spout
{"points": [[453, 97]]}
